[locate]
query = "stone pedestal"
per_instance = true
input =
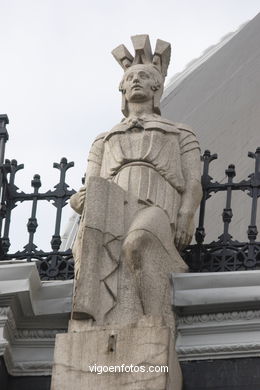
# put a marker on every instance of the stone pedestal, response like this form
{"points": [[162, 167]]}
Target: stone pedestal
{"points": [[134, 357]]}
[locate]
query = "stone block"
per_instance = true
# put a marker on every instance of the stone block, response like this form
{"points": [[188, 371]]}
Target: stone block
{"points": [[133, 357]]}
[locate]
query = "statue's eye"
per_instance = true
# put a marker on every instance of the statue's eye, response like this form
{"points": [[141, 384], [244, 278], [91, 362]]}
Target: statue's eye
{"points": [[129, 77], [144, 75]]}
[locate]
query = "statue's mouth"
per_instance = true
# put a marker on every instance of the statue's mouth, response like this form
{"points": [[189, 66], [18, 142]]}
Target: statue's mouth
{"points": [[136, 86]]}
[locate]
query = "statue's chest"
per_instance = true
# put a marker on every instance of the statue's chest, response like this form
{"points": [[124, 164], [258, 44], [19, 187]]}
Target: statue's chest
{"points": [[140, 144]]}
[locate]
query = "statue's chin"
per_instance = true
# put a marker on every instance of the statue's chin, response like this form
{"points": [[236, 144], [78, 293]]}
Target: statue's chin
{"points": [[138, 97]]}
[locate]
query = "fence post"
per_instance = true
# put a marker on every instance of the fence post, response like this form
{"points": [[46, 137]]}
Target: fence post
{"points": [[3, 139]]}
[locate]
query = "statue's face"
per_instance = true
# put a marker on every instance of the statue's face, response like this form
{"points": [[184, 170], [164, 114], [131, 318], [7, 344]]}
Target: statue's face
{"points": [[140, 83]]}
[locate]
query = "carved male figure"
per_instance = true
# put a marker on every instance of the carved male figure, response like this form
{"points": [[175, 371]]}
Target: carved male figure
{"points": [[146, 171]]}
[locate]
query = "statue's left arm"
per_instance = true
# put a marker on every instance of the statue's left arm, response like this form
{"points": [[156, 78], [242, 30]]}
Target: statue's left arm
{"points": [[191, 196]]}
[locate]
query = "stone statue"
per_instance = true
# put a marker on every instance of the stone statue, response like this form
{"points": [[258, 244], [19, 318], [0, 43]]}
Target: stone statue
{"points": [[141, 192]]}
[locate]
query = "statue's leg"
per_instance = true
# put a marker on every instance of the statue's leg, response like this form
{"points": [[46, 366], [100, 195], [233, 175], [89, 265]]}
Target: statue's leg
{"points": [[140, 252], [149, 253]]}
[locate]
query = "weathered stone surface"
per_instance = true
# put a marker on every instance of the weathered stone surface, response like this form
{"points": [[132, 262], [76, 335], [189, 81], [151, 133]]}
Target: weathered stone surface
{"points": [[137, 347], [112, 280], [141, 192]]}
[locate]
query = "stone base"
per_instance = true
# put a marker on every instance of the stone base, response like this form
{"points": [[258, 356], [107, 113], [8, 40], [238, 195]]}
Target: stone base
{"points": [[129, 357]]}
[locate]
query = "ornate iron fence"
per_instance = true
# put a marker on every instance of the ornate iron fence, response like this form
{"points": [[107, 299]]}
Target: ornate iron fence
{"points": [[54, 264], [225, 254]]}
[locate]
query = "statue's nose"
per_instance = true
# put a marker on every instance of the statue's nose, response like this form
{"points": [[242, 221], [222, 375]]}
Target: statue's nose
{"points": [[136, 79]]}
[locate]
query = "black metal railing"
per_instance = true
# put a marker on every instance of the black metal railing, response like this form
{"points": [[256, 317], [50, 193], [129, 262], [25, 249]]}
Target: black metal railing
{"points": [[226, 254], [54, 264]]}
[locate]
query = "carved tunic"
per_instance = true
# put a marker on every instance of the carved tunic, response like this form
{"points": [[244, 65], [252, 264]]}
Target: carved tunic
{"points": [[144, 158], [141, 161]]}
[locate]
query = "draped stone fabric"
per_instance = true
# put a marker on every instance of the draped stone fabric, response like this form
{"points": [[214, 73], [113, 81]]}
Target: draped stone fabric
{"points": [[144, 158], [105, 288], [136, 197]]}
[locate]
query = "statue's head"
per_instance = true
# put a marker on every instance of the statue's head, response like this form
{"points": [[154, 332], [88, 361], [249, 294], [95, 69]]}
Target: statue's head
{"points": [[141, 83], [144, 75]]}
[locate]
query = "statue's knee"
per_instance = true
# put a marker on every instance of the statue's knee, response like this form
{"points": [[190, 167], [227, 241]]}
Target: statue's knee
{"points": [[134, 246]]}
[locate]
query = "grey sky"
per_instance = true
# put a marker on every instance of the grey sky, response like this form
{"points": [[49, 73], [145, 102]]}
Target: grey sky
{"points": [[59, 82]]}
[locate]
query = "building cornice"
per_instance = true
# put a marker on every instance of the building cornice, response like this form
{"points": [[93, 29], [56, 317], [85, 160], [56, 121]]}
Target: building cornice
{"points": [[32, 312]]}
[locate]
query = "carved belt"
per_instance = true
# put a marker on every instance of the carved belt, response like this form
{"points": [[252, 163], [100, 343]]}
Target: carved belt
{"points": [[136, 163]]}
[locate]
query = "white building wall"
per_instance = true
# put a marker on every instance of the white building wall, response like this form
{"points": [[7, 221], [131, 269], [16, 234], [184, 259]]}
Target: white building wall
{"points": [[220, 99]]}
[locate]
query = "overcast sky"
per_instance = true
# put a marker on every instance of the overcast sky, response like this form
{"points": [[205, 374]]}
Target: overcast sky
{"points": [[59, 82]]}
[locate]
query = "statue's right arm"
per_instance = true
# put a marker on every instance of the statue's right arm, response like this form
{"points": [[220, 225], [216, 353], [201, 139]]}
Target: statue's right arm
{"points": [[93, 169]]}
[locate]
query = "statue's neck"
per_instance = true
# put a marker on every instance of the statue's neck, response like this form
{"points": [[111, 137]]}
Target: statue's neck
{"points": [[140, 109]]}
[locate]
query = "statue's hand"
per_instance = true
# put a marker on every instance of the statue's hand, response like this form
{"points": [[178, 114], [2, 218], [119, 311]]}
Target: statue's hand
{"points": [[77, 200], [184, 229]]}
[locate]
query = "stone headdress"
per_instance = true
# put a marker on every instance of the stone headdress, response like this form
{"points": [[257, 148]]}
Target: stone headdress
{"points": [[143, 55]]}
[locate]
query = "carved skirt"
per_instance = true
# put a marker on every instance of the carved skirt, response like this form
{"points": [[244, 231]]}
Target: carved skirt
{"points": [[143, 181], [137, 200]]}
